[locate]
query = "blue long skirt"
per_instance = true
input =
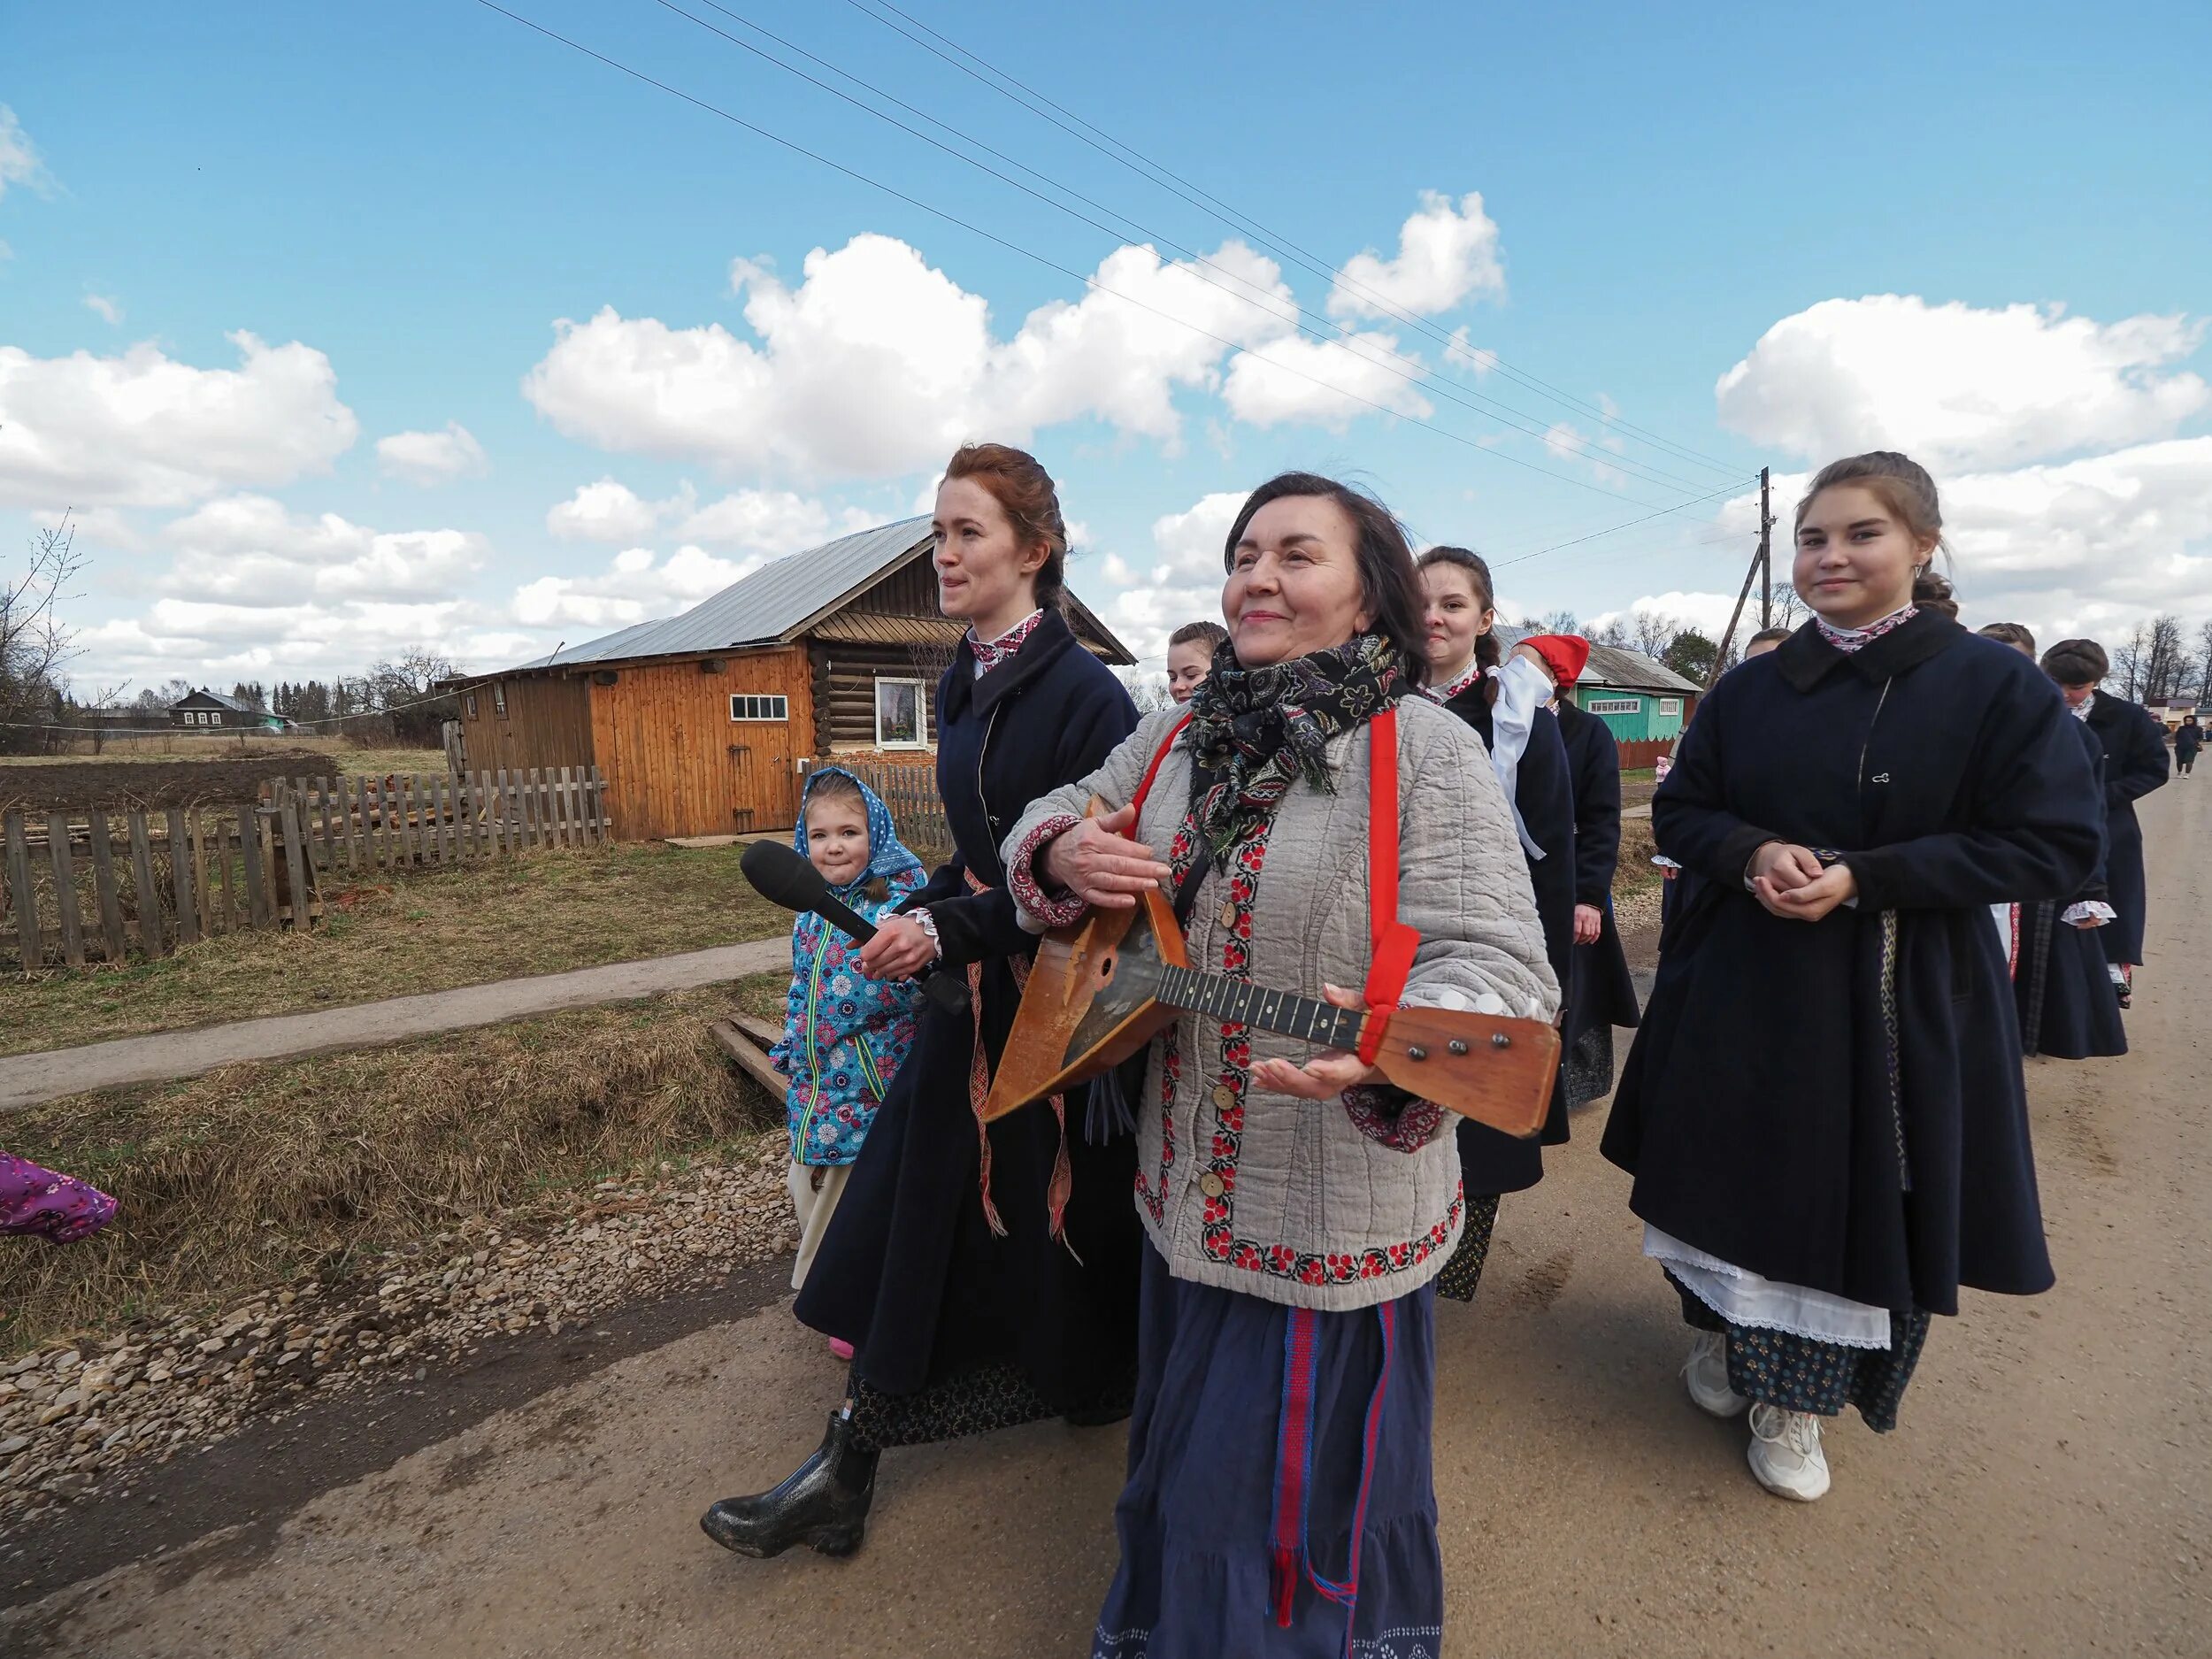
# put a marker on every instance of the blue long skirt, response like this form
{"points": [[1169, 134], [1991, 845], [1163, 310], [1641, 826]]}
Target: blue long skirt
{"points": [[1200, 1577]]}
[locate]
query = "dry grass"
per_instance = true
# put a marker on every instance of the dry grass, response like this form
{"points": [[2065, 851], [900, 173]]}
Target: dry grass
{"points": [[249, 1176], [539, 913]]}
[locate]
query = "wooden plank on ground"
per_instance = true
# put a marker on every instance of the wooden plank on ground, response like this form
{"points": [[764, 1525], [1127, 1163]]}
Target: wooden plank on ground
{"points": [[293, 820], [65, 889], [180, 879], [258, 909], [104, 892], [151, 933], [750, 1059], [759, 1030]]}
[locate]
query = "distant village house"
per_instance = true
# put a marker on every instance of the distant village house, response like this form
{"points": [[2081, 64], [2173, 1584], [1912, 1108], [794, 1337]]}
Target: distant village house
{"points": [[702, 723], [210, 710]]}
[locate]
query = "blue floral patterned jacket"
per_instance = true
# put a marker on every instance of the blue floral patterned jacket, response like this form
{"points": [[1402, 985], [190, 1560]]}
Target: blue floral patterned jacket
{"points": [[845, 1035]]}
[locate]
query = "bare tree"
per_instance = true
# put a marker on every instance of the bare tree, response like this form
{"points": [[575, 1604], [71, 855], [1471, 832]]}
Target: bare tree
{"points": [[2165, 658], [2128, 661], [34, 644], [410, 691], [1560, 621], [1652, 632], [2202, 675]]}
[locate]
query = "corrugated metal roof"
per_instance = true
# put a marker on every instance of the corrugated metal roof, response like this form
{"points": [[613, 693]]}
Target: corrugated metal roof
{"points": [[232, 703], [773, 600], [777, 603], [1617, 666]]}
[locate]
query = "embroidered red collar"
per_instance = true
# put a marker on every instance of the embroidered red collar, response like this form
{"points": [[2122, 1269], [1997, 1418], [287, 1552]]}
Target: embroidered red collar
{"points": [[990, 653]]}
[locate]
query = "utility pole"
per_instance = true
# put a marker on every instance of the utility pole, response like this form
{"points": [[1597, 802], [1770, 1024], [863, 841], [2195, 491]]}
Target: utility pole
{"points": [[1766, 550]]}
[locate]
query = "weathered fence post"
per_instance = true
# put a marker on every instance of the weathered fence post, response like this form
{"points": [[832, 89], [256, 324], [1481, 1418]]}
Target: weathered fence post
{"points": [[151, 934], [28, 947], [104, 889], [181, 879], [65, 889]]}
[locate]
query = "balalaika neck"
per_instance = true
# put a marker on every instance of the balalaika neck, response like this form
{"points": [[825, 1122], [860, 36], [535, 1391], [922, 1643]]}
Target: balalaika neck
{"points": [[1240, 1003]]}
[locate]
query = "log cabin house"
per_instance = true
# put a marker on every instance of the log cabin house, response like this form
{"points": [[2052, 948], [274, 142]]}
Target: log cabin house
{"points": [[702, 723]]}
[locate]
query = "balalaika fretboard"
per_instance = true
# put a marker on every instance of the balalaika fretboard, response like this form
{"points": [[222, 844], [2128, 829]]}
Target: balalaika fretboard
{"points": [[1241, 1002]]}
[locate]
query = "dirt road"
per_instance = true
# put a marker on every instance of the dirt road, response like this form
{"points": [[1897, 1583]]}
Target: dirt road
{"points": [[2048, 1492]]}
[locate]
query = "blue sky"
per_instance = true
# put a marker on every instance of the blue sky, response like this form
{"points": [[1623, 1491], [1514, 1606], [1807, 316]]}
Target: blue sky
{"points": [[1982, 234]]}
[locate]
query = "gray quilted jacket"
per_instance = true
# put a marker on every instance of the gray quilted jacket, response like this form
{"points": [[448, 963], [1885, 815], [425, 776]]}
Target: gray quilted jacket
{"points": [[1318, 1204]]}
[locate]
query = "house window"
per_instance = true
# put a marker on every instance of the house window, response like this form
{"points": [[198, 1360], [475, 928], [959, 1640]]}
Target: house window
{"points": [[1670, 706], [499, 698], [901, 722], [468, 706], [743, 707], [1617, 705]]}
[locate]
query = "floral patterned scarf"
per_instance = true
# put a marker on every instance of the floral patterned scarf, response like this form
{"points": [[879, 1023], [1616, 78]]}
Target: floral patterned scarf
{"points": [[1255, 732]]}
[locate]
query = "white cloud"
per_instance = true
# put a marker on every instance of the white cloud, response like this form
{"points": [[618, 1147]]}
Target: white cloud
{"points": [[1183, 585], [1462, 351], [252, 589], [144, 430], [635, 588], [605, 511], [1956, 386], [431, 457], [771, 521], [249, 552], [876, 364], [107, 309], [20, 162], [1445, 254], [1707, 612], [1323, 382]]}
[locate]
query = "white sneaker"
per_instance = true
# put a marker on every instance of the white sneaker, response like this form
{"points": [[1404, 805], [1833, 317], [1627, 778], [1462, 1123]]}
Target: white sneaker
{"points": [[1705, 1374], [1786, 1456]]}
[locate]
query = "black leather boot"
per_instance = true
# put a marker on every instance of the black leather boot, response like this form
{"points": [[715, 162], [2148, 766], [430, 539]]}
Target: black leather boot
{"points": [[823, 1503]]}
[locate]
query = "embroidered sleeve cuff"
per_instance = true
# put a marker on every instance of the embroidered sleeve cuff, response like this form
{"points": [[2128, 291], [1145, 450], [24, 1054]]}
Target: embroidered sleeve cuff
{"points": [[1030, 897], [928, 923], [2089, 908], [1392, 1117]]}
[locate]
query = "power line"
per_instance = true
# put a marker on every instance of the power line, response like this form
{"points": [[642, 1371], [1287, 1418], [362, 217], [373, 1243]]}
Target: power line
{"points": [[1318, 329], [1048, 263], [1166, 177]]}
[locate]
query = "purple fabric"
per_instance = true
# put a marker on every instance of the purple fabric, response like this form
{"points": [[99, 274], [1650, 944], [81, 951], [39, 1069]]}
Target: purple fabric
{"points": [[35, 1199]]}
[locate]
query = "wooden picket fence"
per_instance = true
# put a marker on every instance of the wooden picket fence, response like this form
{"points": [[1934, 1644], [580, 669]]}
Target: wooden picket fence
{"points": [[367, 824], [82, 886]]}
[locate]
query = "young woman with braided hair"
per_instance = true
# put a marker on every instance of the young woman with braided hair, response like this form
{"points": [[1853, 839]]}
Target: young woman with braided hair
{"points": [[985, 1276], [1823, 1111]]}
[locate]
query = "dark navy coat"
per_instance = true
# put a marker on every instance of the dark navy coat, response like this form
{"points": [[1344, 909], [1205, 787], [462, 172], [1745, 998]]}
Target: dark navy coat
{"points": [[2069, 1009], [909, 1272], [1839, 1104], [1602, 992], [1490, 1162], [2134, 764]]}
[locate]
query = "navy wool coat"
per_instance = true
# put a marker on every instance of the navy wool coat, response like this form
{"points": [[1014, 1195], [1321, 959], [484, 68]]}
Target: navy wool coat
{"points": [[909, 1272], [2134, 764], [1490, 1162], [1602, 992], [1839, 1104], [2068, 1007]]}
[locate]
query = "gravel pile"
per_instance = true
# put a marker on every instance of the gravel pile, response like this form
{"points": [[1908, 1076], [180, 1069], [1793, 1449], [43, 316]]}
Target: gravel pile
{"points": [[74, 1420]]}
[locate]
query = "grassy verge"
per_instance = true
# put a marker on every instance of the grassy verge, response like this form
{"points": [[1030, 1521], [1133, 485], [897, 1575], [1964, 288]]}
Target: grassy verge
{"points": [[536, 913], [252, 1176], [331, 756]]}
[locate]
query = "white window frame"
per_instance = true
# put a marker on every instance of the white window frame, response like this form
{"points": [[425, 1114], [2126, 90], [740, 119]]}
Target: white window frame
{"points": [[1669, 707], [499, 698], [1613, 705], [759, 708], [920, 740]]}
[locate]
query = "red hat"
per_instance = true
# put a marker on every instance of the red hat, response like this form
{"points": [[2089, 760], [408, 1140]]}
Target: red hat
{"points": [[1566, 655]]}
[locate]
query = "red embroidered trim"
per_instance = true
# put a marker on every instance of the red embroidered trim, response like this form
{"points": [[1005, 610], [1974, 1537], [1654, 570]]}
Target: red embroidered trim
{"points": [[1021, 876]]}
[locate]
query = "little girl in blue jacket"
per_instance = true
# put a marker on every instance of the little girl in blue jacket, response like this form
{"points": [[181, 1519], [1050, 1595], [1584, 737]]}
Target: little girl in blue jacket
{"points": [[845, 1035]]}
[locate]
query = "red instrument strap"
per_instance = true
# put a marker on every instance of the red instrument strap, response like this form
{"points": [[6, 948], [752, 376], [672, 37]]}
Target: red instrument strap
{"points": [[1144, 789], [1394, 942]]}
